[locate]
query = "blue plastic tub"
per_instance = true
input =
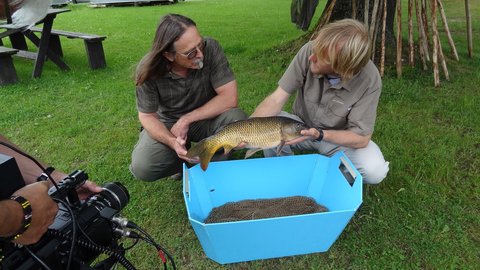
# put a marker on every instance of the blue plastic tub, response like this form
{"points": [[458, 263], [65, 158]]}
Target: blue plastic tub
{"points": [[332, 181]]}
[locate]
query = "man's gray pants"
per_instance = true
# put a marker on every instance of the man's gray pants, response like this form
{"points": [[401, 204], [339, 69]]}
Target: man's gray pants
{"points": [[153, 160]]}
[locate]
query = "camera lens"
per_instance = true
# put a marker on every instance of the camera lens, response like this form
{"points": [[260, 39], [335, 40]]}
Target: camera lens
{"points": [[116, 194]]}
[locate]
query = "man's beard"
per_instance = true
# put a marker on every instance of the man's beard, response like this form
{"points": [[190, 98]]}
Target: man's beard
{"points": [[199, 63]]}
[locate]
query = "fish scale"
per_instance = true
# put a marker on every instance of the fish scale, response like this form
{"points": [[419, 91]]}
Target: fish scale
{"points": [[257, 133]]}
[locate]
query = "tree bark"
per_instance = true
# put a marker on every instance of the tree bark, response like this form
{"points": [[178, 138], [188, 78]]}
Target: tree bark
{"points": [[343, 9]]}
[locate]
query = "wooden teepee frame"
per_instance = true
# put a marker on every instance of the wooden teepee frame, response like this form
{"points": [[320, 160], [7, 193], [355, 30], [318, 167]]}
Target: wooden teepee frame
{"points": [[428, 42]]}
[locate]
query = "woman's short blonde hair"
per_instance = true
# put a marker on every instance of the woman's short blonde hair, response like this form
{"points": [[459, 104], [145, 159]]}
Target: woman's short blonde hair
{"points": [[345, 45]]}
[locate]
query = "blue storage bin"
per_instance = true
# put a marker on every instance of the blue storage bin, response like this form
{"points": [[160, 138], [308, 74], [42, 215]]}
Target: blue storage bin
{"points": [[332, 181]]}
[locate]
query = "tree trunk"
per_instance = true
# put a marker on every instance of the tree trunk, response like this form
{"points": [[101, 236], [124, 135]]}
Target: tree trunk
{"points": [[343, 9]]}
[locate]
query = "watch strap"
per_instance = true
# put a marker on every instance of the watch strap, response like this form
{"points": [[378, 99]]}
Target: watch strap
{"points": [[27, 217], [320, 137], [46, 174]]}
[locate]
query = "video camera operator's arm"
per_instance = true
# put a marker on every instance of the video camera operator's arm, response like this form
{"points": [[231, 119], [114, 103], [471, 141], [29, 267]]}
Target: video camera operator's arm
{"points": [[43, 207], [30, 171]]}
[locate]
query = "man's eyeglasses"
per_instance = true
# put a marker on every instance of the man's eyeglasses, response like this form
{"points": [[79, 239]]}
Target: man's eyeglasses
{"points": [[192, 53]]}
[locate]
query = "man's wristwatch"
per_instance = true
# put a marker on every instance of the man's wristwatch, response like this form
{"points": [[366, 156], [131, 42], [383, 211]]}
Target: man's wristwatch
{"points": [[27, 217], [45, 175], [320, 137]]}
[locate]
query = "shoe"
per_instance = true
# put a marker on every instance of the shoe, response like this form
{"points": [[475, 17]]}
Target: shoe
{"points": [[176, 176]]}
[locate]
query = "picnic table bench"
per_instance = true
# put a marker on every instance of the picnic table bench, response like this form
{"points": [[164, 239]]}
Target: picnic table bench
{"points": [[8, 74], [93, 45]]}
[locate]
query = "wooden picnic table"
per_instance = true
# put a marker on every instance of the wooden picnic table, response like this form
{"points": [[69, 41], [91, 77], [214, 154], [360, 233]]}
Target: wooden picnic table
{"points": [[17, 36]]}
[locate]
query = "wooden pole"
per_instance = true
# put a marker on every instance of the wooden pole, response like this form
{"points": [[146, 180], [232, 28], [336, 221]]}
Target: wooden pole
{"points": [[447, 30], [374, 18], [411, 60], [372, 27], [442, 60], [375, 28], [354, 9], [435, 40], [425, 21], [421, 30], [399, 39], [469, 29], [384, 26], [421, 48], [365, 12], [324, 19]]}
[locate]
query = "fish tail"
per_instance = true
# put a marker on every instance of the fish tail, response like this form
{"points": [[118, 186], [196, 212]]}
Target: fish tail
{"points": [[204, 151], [205, 158]]}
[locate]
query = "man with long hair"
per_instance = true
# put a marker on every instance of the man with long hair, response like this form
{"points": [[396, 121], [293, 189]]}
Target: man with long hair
{"points": [[337, 91], [185, 91]]}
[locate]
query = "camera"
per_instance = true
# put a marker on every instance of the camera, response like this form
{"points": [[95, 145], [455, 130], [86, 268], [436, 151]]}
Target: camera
{"points": [[82, 230]]}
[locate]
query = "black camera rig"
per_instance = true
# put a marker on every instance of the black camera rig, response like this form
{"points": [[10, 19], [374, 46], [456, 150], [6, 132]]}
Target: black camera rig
{"points": [[82, 231]]}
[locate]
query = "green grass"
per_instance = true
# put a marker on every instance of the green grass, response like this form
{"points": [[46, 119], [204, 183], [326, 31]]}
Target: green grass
{"points": [[424, 215]]}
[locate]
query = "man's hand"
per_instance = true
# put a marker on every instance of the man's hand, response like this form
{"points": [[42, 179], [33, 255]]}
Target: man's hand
{"points": [[87, 189], [180, 128], [307, 134], [181, 150], [44, 210]]}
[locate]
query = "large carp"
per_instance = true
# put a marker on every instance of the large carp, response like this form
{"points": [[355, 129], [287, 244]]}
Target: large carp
{"points": [[256, 133]]}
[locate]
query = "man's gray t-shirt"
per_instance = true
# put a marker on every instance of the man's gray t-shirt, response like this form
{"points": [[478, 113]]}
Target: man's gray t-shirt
{"points": [[350, 105], [172, 96]]}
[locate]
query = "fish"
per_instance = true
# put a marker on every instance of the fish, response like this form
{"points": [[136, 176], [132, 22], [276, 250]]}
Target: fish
{"points": [[256, 132]]}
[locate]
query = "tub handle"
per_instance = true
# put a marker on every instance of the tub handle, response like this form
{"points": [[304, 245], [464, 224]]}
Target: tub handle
{"points": [[347, 170], [187, 183]]}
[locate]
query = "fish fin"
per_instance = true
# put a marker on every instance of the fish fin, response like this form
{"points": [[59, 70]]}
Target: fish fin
{"points": [[203, 151], [279, 147], [227, 149], [250, 152]]}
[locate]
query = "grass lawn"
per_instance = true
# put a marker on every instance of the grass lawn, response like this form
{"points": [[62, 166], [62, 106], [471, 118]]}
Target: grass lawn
{"points": [[423, 216]]}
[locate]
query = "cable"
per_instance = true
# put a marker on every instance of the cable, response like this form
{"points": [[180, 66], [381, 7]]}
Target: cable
{"points": [[74, 231], [133, 245], [161, 254], [37, 258], [32, 159], [132, 225], [134, 235], [85, 234], [95, 247]]}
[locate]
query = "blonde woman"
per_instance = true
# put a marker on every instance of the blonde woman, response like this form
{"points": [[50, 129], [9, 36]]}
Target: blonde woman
{"points": [[337, 90]]}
